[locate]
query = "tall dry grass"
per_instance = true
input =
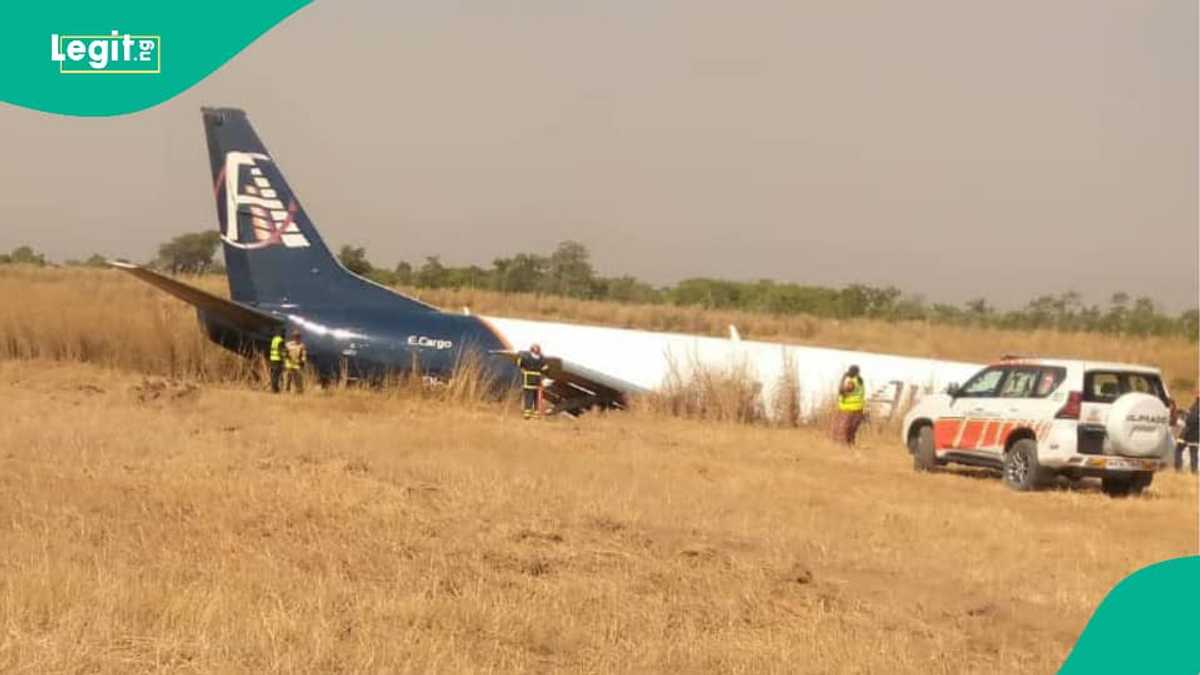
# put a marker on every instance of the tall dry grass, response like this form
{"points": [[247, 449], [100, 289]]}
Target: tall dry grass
{"points": [[220, 529], [109, 319], [106, 317], [714, 394]]}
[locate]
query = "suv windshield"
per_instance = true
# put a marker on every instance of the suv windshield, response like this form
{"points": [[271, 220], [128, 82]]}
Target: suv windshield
{"points": [[1106, 386]]}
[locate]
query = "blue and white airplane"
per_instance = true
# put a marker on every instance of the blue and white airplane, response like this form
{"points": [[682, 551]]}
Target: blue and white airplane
{"points": [[282, 276]]}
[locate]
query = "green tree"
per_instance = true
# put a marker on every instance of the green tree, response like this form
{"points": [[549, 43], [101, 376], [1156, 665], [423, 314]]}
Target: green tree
{"points": [[522, 273], [471, 276], [25, 255], [96, 260], [708, 293], [189, 253], [627, 289], [354, 258], [432, 274], [1143, 317], [404, 273], [569, 271], [1189, 323], [979, 310]]}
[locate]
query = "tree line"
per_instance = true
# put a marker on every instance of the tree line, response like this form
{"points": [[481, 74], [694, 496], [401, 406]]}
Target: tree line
{"points": [[567, 271], [192, 253]]}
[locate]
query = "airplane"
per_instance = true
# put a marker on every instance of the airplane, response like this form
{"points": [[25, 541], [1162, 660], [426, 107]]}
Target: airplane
{"points": [[283, 277]]}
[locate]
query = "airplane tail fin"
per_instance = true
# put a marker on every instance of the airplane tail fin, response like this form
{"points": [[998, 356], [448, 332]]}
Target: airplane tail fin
{"points": [[273, 252]]}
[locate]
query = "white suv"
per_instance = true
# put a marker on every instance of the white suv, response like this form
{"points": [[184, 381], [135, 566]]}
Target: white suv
{"points": [[1037, 418]]}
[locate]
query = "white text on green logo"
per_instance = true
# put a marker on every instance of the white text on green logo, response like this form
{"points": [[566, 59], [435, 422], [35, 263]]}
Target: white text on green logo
{"points": [[113, 54]]}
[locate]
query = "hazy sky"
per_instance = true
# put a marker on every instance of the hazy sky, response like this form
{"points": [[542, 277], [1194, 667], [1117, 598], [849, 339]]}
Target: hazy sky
{"points": [[950, 148]]}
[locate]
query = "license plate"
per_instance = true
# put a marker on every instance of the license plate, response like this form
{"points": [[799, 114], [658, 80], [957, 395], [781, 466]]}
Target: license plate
{"points": [[1124, 464]]}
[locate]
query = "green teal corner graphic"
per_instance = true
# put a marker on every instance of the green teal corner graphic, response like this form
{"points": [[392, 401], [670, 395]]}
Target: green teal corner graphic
{"points": [[1148, 623], [181, 42]]}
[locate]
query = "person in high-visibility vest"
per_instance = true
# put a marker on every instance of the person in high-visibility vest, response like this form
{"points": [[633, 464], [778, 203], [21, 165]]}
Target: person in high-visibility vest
{"points": [[852, 399], [533, 370], [294, 358], [275, 360], [1190, 438]]}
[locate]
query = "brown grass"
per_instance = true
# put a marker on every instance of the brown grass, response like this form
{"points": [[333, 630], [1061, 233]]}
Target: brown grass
{"points": [[157, 513], [163, 525], [106, 317], [715, 394]]}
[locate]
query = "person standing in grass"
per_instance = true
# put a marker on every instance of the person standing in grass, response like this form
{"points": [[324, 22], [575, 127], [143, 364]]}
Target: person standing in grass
{"points": [[533, 369], [295, 357], [275, 360], [852, 399], [1190, 439]]}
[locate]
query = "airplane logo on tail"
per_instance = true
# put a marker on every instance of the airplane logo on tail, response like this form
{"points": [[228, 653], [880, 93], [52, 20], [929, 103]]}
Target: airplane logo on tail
{"points": [[245, 186]]}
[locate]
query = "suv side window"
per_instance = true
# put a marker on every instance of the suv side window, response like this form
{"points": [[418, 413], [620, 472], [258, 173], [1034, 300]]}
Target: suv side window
{"points": [[1019, 383], [1048, 380], [1108, 386], [984, 384], [1141, 383]]}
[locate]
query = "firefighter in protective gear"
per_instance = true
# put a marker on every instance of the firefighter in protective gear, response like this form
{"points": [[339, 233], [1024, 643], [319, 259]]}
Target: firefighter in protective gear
{"points": [[533, 369], [275, 360], [852, 399], [295, 356]]}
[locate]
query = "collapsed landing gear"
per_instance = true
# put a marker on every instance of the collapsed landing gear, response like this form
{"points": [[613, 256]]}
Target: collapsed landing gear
{"points": [[575, 399]]}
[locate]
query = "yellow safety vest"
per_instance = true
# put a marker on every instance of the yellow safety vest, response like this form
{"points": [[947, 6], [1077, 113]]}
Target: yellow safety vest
{"points": [[295, 356], [856, 400], [276, 348]]}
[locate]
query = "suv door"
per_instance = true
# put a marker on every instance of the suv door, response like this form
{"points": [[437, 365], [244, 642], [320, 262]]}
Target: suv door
{"points": [[974, 405], [1102, 388], [1025, 401]]}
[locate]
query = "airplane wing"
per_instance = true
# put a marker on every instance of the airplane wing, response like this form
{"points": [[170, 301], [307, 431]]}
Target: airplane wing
{"points": [[575, 386], [235, 314]]}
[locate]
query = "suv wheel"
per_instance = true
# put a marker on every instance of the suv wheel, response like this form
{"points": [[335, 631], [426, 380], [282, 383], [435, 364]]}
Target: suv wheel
{"points": [[1021, 468], [1120, 485], [924, 458]]}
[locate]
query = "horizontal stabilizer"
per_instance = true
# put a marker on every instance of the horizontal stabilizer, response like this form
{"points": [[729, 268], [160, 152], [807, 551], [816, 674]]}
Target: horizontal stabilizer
{"points": [[235, 314]]}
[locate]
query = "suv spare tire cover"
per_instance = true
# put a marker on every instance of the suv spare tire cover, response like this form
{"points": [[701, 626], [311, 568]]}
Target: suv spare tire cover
{"points": [[1138, 424]]}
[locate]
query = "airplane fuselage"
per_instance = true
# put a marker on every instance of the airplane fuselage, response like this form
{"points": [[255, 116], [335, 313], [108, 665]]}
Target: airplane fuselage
{"points": [[371, 343]]}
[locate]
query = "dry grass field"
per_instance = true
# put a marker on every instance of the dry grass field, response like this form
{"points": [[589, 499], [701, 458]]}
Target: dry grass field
{"points": [[157, 525], [160, 512]]}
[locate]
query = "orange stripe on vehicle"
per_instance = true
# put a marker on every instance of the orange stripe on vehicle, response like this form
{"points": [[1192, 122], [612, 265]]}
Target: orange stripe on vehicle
{"points": [[986, 425], [958, 437], [991, 434], [1005, 432], [945, 431], [971, 433]]}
